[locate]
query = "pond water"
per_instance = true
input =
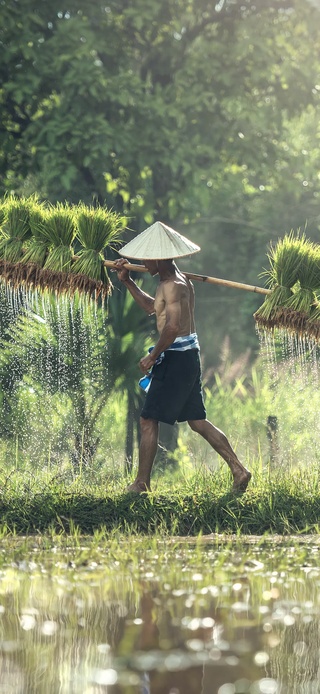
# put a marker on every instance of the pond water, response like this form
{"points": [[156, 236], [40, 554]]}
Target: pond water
{"points": [[152, 616]]}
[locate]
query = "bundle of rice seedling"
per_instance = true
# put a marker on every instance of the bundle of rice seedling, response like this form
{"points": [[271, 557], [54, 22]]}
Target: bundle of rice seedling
{"points": [[285, 262], [296, 312], [2, 215], [37, 247], [313, 324], [97, 229], [15, 228], [59, 231]]}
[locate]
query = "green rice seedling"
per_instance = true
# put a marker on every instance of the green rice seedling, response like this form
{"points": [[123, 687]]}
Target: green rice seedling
{"points": [[313, 326], [35, 250], [314, 319], [286, 261], [2, 216], [298, 314], [56, 230], [309, 272], [15, 228], [97, 229], [59, 231], [308, 280], [89, 262], [266, 315], [37, 247], [59, 259]]}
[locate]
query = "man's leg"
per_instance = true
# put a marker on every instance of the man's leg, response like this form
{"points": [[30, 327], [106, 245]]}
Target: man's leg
{"points": [[147, 453], [220, 443]]}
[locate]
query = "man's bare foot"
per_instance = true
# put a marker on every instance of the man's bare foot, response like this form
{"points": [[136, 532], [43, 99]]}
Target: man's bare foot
{"points": [[137, 488], [241, 481]]}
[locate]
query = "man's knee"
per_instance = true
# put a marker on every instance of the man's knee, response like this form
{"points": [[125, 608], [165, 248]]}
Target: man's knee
{"points": [[197, 425], [148, 425]]}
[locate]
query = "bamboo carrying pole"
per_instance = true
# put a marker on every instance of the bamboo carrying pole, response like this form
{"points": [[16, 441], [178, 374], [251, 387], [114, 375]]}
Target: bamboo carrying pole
{"points": [[199, 278]]}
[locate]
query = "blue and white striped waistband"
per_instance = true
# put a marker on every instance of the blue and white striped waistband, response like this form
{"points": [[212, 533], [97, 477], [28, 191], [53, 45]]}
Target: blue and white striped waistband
{"points": [[181, 344]]}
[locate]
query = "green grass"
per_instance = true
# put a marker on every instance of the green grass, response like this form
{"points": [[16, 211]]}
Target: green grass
{"points": [[199, 503], [39, 490]]}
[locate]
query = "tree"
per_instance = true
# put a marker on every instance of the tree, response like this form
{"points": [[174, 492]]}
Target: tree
{"points": [[181, 110], [129, 339], [151, 97], [57, 346]]}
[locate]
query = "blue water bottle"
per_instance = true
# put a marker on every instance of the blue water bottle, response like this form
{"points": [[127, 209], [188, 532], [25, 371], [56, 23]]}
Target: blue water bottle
{"points": [[145, 382]]}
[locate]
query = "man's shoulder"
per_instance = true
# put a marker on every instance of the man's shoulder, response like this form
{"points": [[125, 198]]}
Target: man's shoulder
{"points": [[174, 284], [172, 290]]}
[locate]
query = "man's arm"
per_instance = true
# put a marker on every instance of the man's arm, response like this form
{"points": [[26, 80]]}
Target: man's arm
{"points": [[144, 300]]}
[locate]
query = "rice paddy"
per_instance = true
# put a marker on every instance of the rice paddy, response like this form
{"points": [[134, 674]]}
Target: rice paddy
{"points": [[211, 616]]}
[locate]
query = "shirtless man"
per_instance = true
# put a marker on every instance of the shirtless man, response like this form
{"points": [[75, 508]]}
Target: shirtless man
{"points": [[175, 392]]}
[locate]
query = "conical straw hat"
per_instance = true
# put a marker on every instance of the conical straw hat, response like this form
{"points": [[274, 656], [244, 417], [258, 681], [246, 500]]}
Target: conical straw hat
{"points": [[159, 242]]}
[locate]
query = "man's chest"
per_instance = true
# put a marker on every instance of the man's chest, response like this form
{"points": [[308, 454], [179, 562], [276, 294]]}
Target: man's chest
{"points": [[159, 302]]}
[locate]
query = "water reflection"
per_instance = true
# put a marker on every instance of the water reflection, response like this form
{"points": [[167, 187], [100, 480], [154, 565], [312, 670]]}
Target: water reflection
{"points": [[161, 618]]}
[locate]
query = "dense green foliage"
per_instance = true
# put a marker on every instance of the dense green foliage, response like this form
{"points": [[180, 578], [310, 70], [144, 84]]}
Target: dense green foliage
{"points": [[60, 361], [204, 115]]}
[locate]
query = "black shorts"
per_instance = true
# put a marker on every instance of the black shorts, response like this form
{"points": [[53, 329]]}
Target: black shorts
{"points": [[175, 393]]}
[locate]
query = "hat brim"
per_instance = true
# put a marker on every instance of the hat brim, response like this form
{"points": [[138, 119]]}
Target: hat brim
{"points": [[159, 242]]}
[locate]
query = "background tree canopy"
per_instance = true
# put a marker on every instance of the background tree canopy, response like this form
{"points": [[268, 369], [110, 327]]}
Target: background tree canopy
{"points": [[204, 115]]}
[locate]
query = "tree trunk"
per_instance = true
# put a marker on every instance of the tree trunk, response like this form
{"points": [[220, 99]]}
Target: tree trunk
{"points": [[85, 447], [168, 442], [129, 434]]}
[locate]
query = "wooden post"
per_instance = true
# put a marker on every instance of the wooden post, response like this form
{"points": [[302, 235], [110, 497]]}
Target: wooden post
{"points": [[272, 435]]}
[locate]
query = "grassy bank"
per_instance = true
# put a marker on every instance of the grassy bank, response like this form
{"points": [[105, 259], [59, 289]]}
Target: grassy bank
{"points": [[277, 502]]}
